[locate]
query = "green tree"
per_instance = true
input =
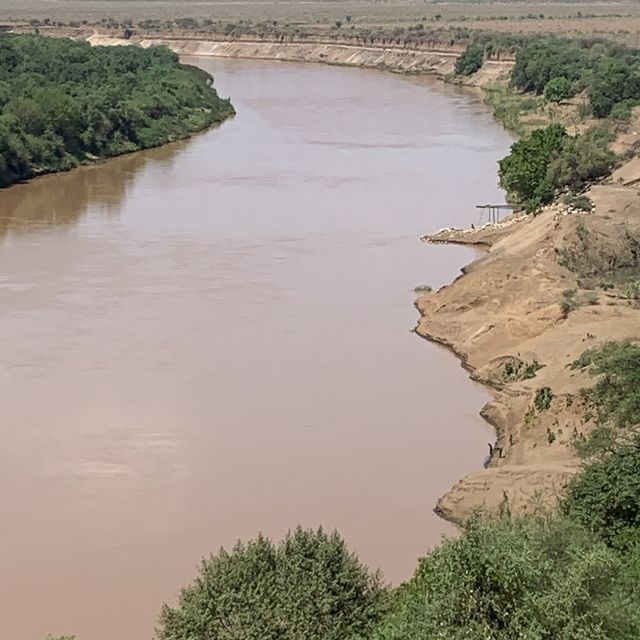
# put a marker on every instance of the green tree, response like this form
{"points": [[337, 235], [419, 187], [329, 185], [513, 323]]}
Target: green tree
{"points": [[559, 89], [307, 586], [470, 60], [613, 81], [582, 159], [523, 173], [605, 496]]}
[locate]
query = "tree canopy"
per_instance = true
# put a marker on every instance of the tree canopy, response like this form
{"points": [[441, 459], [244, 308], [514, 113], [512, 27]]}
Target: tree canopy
{"points": [[549, 159], [307, 586], [523, 173], [64, 102], [539, 577], [470, 60]]}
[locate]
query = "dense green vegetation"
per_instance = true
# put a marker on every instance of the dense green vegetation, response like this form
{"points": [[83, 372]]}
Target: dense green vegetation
{"points": [[470, 60], [609, 73], [308, 586], [548, 160], [538, 577], [550, 71], [605, 497], [560, 68], [63, 103]]}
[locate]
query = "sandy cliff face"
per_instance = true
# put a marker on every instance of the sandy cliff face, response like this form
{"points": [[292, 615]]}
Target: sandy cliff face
{"points": [[387, 58], [505, 310]]}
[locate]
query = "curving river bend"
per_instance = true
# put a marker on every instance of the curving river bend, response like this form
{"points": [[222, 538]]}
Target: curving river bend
{"points": [[212, 339]]}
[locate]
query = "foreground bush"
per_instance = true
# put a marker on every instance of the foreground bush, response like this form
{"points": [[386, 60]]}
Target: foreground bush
{"points": [[309, 586], [605, 496], [536, 578], [63, 102]]}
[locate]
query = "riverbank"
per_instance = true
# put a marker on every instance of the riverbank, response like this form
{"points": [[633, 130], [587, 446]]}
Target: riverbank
{"points": [[437, 60], [505, 319], [391, 59]]}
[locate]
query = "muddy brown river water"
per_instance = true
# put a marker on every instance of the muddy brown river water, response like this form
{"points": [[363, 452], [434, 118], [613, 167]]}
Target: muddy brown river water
{"points": [[213, 339]]}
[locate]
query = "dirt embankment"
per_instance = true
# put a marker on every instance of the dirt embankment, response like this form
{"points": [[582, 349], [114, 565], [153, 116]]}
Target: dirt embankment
{"points": [[344, 55], [505, 319], [400, 60], [397, 59]]}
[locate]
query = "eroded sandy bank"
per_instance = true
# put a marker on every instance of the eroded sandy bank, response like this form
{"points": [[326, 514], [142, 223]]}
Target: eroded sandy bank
{"points": [[504, 320], [399, 60]]}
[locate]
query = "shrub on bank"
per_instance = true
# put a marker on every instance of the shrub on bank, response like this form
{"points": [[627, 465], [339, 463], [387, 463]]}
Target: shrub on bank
{"points": [[559, 89], [470, 60], [614, 400]]}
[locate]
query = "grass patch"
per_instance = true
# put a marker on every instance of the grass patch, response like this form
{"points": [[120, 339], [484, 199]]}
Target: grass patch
{"points": [[510, 106]]}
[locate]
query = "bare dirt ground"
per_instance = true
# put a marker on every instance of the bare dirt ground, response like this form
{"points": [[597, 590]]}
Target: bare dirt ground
{"points": [[506, 308], [617, 20]]}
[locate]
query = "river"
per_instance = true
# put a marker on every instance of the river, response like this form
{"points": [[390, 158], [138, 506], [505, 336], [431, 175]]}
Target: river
{"points": [[212, 339]]}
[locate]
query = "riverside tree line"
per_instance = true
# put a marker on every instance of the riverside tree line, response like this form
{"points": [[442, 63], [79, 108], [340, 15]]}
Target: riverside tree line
{"points": [[65, 103]]}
